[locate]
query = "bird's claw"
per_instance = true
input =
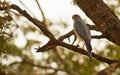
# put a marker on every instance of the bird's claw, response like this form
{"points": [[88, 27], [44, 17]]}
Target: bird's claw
{"points": [[77, 45]]}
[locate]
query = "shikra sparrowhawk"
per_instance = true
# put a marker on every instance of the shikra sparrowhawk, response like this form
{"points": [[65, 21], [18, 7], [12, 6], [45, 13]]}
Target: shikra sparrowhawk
{"points": [[83, 33]]}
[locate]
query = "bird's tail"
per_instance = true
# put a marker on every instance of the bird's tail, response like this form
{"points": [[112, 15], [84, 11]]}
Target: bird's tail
{"points": [[89, 49]]}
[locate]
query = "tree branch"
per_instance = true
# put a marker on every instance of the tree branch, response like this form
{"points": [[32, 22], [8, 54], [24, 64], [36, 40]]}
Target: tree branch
{"points": [[38, 4], [26, 8], [66, 35], [93, 27], [79, 50], [36, 65], [105, 19], [34, 21], [111, 68], [98, 37]]}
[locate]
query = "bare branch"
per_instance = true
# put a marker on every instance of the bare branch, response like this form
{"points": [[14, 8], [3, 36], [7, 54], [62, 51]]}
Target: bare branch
{"points": [[38, 4], [98, 37], [111, 68], [27, 8], [34, 21], [43, 67], [66, 35], [79, 50], [47, 46], [36, 65], [93, 27]]}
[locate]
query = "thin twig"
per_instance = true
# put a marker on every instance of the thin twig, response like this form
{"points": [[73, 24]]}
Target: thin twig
{"points": [[34, 21], [111, 68], [43, 16], [27, 8]]}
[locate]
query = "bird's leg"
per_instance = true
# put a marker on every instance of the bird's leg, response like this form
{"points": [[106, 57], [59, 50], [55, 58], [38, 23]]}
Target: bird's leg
{"points": [[83, 45], [78, 43], [74, 39]]}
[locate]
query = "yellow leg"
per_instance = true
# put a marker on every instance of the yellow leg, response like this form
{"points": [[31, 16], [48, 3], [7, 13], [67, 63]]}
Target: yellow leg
{"points": [[83, 45], [78, 42]]}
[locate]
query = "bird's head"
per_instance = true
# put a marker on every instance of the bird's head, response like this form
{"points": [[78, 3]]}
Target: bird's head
{"points": [[76, 18]]}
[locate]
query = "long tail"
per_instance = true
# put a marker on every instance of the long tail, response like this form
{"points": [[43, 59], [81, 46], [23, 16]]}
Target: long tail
{"points": [[89, 49]]}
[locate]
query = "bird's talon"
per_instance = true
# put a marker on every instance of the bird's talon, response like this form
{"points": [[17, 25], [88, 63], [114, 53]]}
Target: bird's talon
{"points": [[77, 45]]}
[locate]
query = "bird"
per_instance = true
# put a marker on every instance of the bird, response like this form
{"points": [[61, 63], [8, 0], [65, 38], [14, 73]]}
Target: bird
{"points": [[82, 32]]}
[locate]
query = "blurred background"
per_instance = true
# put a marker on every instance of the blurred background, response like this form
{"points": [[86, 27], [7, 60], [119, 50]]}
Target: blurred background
{"points": [[19, 39]]}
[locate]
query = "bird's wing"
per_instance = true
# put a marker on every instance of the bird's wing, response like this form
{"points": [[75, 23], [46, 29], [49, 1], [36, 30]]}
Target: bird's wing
{"points": [[82, 30]]}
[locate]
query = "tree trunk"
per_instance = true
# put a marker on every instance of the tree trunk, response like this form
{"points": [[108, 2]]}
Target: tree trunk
{"points": [[104, 18]]}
